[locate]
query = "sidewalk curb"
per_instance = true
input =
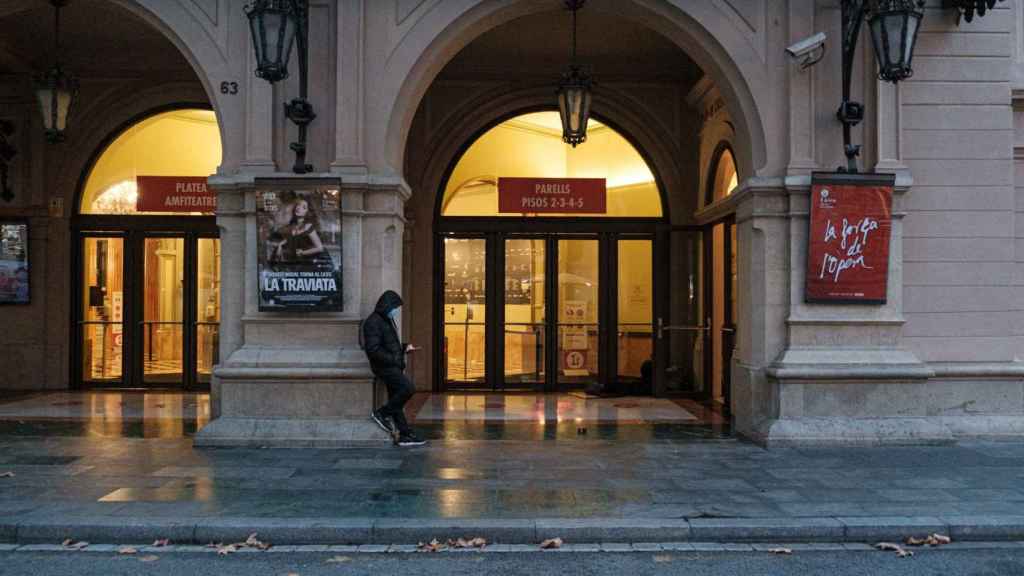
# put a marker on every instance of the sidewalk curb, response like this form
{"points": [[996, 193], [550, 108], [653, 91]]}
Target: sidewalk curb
{"points": [[365, 531]]}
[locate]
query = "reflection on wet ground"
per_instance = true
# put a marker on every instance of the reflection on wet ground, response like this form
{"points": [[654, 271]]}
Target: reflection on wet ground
{"points": [[100, 455], [514, 417], [533, 417], [104, 414], [122, 454]]}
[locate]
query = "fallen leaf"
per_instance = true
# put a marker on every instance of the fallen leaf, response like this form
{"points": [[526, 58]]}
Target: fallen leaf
{"points": [[149, 558], [161, 543], [72, 545], [464, 543], [890, 547], [126, 550], [253, 542], [338, 560], [432, 546], [662, 558], [784, 551], [551, 543], [7, 475], [934, 539]]}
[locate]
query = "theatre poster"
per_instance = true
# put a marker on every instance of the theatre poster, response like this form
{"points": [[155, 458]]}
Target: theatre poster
{"points": [[849, 233], [299, 248]]}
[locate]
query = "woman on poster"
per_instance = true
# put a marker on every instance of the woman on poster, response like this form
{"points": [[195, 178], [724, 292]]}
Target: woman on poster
{"points": [[299, 240]]}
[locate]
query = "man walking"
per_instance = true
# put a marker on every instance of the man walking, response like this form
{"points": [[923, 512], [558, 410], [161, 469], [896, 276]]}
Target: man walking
{"points": [[387, 360]]}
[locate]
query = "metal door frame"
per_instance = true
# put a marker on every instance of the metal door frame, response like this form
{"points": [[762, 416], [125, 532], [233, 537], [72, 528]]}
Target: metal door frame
{"points": [[495, 231], [133, 230]]}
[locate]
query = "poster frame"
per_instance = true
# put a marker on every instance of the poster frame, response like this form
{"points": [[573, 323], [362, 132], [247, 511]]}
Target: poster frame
{"points": [[28, 259], [296, 185], [860, 179]]}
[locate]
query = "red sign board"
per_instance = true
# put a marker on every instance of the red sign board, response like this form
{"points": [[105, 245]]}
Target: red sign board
{"points": [[552, 195], [848, 249], [174, 194]]}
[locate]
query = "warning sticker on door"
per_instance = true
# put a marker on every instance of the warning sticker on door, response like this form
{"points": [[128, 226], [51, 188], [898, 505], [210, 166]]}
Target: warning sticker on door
{"points": [[574, 359]]}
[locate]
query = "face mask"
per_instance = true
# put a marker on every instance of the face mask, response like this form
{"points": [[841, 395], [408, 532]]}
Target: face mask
{"points": [[394, 313]]}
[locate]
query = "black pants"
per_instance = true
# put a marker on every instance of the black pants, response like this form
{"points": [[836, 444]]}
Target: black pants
{"points": [[400, 389]]}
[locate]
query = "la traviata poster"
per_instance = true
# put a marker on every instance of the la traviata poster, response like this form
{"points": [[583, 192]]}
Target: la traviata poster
{"points": [[299, 245], [850, 228]]}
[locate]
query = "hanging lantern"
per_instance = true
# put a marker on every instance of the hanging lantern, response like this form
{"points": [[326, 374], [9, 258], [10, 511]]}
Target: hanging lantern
{"points": [[894, 25], [273, 24], [574, 93], [574, 105], [56, 90]]}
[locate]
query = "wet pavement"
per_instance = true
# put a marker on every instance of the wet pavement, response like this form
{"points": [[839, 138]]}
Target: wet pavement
{"points": [[122, 464]]}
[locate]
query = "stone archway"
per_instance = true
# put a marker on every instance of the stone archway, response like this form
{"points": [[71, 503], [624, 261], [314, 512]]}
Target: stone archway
{"points": [[702, 29], [200, 35]]}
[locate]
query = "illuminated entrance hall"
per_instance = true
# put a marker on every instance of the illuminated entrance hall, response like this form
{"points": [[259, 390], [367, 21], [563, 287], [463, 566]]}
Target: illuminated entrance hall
{"points": [[548, 301], [148, 280]]}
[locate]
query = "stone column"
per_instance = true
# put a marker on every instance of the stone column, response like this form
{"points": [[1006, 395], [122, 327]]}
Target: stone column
{"points": [[300, 379], [842, 375]]}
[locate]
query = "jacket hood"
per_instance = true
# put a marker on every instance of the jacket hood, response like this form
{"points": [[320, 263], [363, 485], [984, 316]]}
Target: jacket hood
{"points": [[387, 302]]}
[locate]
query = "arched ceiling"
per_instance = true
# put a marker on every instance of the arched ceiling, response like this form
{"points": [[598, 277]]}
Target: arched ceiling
{"points": [[540, 44], [98, 40]]}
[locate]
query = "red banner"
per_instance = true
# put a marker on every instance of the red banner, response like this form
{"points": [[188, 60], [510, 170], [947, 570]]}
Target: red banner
{"points": [[848, 249], [552, 195], [174, 194]]}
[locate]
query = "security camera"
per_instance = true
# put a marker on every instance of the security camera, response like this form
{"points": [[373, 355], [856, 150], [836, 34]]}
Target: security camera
{"points": [[809, 50]]}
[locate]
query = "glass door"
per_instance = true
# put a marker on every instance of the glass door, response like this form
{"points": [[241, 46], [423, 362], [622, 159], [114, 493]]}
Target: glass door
{"points": [[163, 313], [101, 328], [577, 331], [464, 345], [149, 309], [525, 312], [635, 311], [682, 325], [207, 321], [720, 253]]}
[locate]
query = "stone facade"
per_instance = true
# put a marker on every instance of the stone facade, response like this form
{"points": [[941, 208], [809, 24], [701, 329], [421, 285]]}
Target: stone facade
{"points": [[400, 86]]}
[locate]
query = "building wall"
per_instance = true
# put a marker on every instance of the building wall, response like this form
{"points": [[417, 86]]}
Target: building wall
{"points": [[960, 282], [388, 126]]}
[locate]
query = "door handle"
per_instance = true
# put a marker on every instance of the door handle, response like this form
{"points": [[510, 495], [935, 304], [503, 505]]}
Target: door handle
{"points": [[662, 327]]}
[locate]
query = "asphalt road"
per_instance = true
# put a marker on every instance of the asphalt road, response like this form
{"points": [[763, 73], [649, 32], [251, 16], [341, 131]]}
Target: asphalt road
{"points": [[964, 562]]}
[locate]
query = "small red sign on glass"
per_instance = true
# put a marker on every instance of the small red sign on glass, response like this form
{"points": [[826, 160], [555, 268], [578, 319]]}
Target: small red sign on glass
{"points": [[848, 249], [174, 194], [552, 195]]}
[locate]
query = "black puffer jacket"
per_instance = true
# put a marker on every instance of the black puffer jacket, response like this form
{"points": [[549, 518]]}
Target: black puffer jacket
{"points": [[380, 338]]}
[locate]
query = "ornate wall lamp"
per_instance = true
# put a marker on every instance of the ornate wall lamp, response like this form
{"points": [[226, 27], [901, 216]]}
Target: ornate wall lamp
{"points": [[893, 25], [56, 90], [574, 91], [276, 25], [7, 153]]}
